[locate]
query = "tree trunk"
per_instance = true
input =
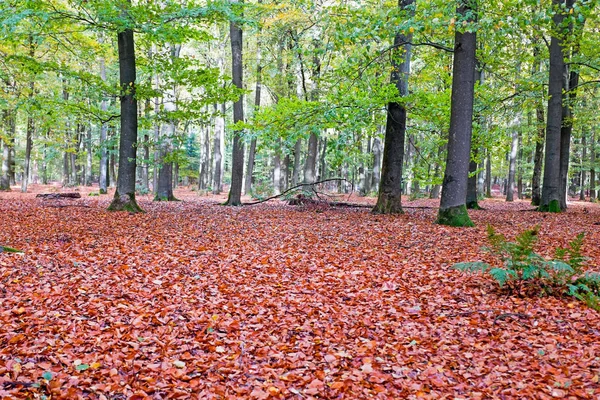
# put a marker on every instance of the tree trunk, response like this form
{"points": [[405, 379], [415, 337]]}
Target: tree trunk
{"points": [[322, 163], [551, 188], [124, 199], [390, 186], [257, 95], [88, 160], [297, 155], [512, 168], [237, 154], [28, 144], [471, 201], [593, 166], [582, 170], [277, 172], [5, 177], [217, 155], [453, 210], [536, 190]]}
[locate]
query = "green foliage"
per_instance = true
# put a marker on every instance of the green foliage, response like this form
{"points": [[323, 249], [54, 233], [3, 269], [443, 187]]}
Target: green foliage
{"points": [[262, 190], [6, 249], [521, 266]]}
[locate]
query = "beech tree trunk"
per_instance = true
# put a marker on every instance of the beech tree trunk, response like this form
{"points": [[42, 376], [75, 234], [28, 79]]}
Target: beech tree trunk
{"points": [[512, 165], [390, 186], [124, 199], [453, 210], [217, 155], [593, 166], [582, 171], [5, 177], [297, 155], [28, 146], [103, 176], [257, 95], [237, 161], [551, 188]]}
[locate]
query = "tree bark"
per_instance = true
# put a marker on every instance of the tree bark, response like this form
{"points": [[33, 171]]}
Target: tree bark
{"points": [[582, 170], [297, 155], [103, 176], [5, 177], [217, 155], [257, 95], [237, 162], [551, 187], [453, 210], [390, 186], [124, 199], [512, 168], [28, 143], [593, 166]]}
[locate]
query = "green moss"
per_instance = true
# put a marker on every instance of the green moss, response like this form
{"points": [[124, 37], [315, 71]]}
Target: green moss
{"points": [[125, 202], [454, 216], [165, 198], [473, 205], [102, 191], [553, 207]]}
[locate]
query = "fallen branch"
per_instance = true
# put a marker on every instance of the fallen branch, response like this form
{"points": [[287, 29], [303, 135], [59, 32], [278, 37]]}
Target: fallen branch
{"points": [[59, 195], [293, 188], [68, 205], [508, 315]]}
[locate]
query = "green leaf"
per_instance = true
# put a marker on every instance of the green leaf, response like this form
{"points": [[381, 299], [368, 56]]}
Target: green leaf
{"points": [[47, 375], [82, 367], [558, 266], [502, 275], [9, 250]]}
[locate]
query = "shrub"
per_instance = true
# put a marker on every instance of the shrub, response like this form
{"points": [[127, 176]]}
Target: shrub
{"points": [[522, 268]]}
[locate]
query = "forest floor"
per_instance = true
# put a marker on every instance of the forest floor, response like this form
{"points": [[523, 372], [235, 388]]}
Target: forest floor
{"points": [[278, 301]]}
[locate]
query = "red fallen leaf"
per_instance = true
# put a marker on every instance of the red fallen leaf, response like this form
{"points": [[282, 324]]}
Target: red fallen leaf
{"points": [[330, 358], [260, 394], [16, 339]]}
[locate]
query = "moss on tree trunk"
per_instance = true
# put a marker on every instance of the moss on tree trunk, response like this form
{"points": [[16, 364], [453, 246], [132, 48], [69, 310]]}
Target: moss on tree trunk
{"points": [[473, 205], [125, 202], [454, 216], [553, 206]]}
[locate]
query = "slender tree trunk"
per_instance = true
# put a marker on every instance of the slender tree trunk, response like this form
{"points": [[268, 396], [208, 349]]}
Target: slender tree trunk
{"points": [[582, 169], [277, 172], [453, 210], [551, 188], [88, 160], [217, 155], [28, 143], [538, 158], [237, 156], [390, 185], [124, 199], [472, 184], [257, 95], [593, 166], [297, 155], [514, 150], [167, 179], [322, 162], [5, 177], [377, 154]]}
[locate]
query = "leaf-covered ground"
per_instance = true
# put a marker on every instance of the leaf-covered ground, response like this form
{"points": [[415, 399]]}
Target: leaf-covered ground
{"points": [[193, 299]]}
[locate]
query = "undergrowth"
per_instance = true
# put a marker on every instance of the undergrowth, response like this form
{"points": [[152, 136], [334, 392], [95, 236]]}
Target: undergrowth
{"points": [[524, 271]]}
